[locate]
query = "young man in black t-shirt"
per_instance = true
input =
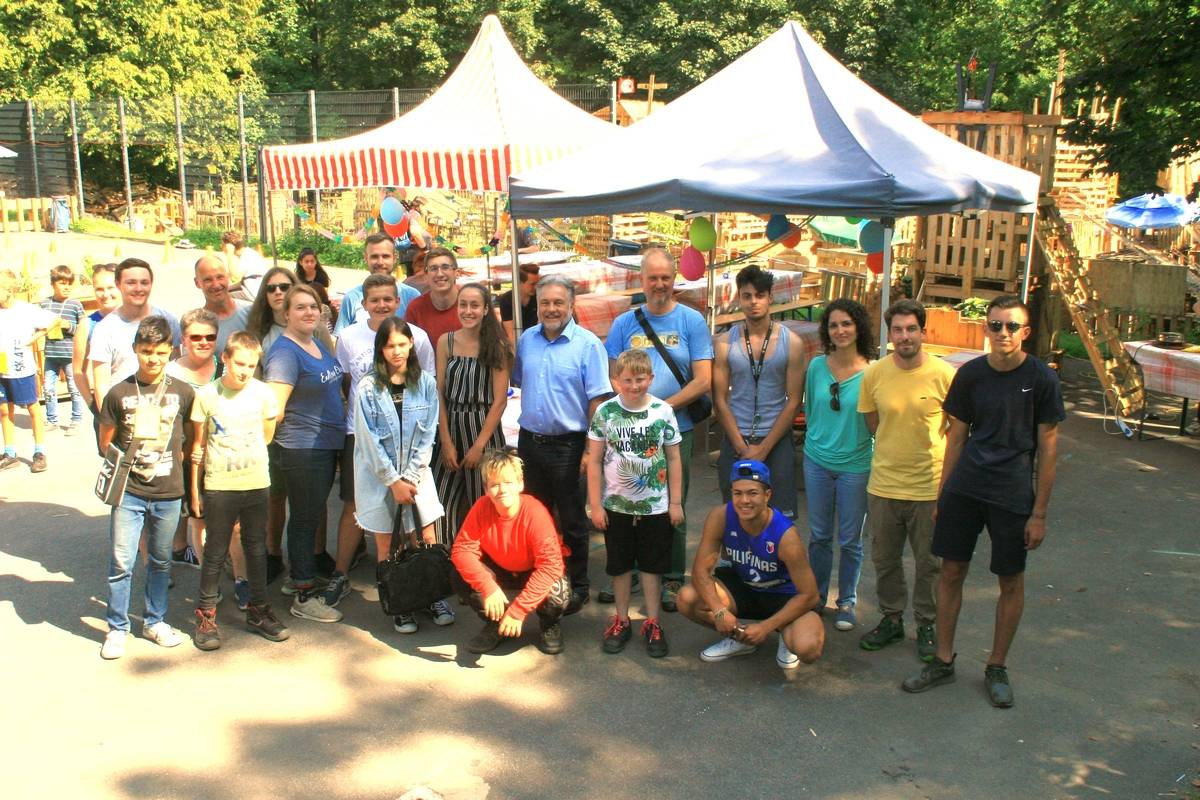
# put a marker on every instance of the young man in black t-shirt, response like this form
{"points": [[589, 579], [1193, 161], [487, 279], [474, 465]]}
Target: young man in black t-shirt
{"points": [[1004, 409], [145, 416]]}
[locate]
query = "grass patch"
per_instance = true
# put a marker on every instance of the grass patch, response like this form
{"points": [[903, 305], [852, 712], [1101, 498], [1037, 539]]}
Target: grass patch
{"points": [[98, 226], [331, 253]]}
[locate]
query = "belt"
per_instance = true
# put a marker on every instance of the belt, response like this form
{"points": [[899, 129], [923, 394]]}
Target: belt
{"points": [[753, 439], [545, 438]]}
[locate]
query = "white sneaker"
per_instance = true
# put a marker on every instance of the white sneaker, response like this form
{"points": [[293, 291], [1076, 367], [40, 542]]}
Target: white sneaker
{"points": [[726, 648], [405, 623], [442, 613], [785, 658], [313, 607], [114, 645], [161, 634]]}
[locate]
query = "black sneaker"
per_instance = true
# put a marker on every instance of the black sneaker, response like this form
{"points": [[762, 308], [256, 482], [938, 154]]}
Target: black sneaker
{"points": [[926, 642], [550, 641], [275, 567], [935, 673], [262, 620], [577, 602], [656, 640], [889, 629], [670, 591], [325, 565], [186, 557], [606, 594], [999, 690], [486, 640], [207, 635], [617, 634]]}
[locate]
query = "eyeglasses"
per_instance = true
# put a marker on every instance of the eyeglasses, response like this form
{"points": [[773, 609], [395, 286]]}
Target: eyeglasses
{"points": [[835, 396], [440, 268], [202, 337], [277, 287], [995, 325]]}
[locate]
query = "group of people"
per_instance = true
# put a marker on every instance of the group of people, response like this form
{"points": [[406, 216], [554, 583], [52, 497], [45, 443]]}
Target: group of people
{"points": [[242, 415]]}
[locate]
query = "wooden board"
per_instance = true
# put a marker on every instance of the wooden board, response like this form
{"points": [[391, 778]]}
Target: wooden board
{"points": [[1155, 289], [944, 326]]}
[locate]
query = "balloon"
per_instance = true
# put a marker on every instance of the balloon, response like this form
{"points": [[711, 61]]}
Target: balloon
{"points": [[391, 211], [792, 237], [777, 227], [853, 220], [870, 236], [396, 230], [691, 263], [875, 262], [702, 234]]}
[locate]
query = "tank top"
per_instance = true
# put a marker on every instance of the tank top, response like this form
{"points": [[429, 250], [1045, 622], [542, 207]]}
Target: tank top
{"points": [[755, 558], [772, 382]]}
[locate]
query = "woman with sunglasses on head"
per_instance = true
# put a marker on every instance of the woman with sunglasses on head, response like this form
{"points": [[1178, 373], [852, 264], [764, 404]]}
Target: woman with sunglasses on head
{"points": [[473, 365], [307, 381], [266, 320], [837, 452]]}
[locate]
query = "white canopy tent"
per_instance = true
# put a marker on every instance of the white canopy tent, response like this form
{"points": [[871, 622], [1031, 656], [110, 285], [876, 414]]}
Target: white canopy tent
{"points": [[784, 129]]}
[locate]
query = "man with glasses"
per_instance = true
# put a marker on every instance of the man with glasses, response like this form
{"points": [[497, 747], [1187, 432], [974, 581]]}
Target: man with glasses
{"points": [[682, 332], [758, 381], [1004, 409], [379, 253], [901, 396], [436, 313], [212, 278]]}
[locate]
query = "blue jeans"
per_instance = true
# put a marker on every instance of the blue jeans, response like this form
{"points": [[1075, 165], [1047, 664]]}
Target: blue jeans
{"points": [[307, 477], [159, 518], [836, 501], [53, 365]]}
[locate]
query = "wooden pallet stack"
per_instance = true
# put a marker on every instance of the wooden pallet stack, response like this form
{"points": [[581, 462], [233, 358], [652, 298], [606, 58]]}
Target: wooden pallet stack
{"points": [[982, 254], [1117, 371], [1083, 194]]}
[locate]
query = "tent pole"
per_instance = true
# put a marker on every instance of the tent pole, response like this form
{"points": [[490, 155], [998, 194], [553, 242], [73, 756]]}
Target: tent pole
{"points": [[1029, 244], [712, 282], [518, 323], [885, 286], [271, 228]]}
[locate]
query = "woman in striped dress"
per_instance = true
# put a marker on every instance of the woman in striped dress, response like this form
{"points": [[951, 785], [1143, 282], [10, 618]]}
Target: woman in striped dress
{"points": [[473, 366]]}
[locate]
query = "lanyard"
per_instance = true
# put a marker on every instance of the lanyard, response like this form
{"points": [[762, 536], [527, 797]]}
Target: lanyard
{"points": [[756, 368]]}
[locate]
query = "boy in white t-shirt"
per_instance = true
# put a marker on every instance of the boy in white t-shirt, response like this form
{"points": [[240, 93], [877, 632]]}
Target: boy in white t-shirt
{"points": [[633, 447], [21, 325]]}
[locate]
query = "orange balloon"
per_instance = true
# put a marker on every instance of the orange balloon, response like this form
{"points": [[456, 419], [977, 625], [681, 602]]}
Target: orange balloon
{"points": [[792, 238], [875, 262]]}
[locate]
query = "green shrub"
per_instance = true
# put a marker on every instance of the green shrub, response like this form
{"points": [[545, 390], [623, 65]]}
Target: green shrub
{"points": [[347, 253], [206, 236]]}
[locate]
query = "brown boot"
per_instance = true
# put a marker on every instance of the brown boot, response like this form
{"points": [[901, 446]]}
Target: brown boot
{"points": [[207, 635]]}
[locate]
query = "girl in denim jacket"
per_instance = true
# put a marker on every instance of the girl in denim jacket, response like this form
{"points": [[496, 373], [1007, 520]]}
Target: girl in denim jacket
{"points": [[395, 423]]}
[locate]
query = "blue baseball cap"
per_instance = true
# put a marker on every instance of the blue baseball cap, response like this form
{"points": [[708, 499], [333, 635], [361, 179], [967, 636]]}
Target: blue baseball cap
{"points": [[750, 470]]}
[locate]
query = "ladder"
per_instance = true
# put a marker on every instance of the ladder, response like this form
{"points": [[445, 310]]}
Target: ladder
{"points": [[1117, 371]]}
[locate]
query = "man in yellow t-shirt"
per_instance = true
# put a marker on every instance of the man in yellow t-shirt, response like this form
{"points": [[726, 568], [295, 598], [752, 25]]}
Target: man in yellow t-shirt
{"points": [[902, 396]]}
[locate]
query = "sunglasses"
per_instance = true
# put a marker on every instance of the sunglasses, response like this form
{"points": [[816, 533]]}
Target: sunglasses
{"points": [[277, 287], [202, 337], [995, 326], [748, 472], [835, 396]]}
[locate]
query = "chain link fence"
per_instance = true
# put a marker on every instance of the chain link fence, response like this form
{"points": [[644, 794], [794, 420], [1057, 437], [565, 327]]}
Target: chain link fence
{"points": [[107, 152]]}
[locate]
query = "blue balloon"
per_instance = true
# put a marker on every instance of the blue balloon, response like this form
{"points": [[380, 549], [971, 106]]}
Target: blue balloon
{"points": [[391, 210], [777, 227], [870, 236]]}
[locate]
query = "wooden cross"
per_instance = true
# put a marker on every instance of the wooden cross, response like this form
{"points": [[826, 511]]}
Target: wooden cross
{"points": [[650, 87]]}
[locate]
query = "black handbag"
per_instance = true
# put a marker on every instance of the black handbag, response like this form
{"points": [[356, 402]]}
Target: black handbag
{"points": [[412, 578], [699, 409]]}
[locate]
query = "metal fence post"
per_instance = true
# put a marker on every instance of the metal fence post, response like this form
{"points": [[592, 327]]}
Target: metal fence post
{"points": [[125, 162], [395, 102], [245, 188], [75, 149], [612, 103], [265, 223], [312, 126], [182, 164], [37, 182]]}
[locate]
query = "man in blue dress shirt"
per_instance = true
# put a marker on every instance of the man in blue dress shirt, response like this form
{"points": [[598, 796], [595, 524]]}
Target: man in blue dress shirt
{"points": [[562, 372]]}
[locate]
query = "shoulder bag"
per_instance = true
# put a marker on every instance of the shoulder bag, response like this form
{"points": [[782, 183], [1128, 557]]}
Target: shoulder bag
{"points": [[114, 472], [699, 409]]}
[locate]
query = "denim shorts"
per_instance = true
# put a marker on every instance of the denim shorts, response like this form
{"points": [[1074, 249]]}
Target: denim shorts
{"points": [[19, 391]]}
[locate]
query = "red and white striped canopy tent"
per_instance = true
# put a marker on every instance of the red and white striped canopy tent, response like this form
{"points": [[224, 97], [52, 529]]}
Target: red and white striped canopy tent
{"points": [[490, 119]]}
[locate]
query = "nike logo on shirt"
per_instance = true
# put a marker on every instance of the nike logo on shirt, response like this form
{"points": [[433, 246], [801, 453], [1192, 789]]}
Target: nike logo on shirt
{"points": [[1030, 389]]}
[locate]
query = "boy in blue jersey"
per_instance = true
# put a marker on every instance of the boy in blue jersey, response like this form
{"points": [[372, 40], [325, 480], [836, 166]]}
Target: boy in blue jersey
{"points": [[767, 584]]}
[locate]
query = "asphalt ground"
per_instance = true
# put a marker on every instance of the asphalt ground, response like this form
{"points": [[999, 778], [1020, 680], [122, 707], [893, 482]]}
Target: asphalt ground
{"points": [[1104, 668]]}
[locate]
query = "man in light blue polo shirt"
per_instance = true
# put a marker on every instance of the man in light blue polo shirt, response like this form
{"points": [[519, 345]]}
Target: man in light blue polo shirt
{"points": [[379, 253], [684, 334], [563, 375]]}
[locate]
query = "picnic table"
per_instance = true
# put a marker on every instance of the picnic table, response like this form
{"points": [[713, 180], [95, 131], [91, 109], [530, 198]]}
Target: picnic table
{"points": [[1174, 372]]}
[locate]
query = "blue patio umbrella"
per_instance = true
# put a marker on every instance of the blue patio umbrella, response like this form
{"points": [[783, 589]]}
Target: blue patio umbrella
{"points": [[1152, 211]]}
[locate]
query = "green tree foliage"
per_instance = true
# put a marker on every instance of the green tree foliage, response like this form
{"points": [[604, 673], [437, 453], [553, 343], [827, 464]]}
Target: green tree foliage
{"points": [[1146, 52]]}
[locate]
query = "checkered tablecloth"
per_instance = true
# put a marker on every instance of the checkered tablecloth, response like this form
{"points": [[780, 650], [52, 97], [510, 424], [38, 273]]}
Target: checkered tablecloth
{"points": [[787, 289], [595, 276], [1167, 371], [810, 335], [960, 357], [596, 312], [477, 266]]}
